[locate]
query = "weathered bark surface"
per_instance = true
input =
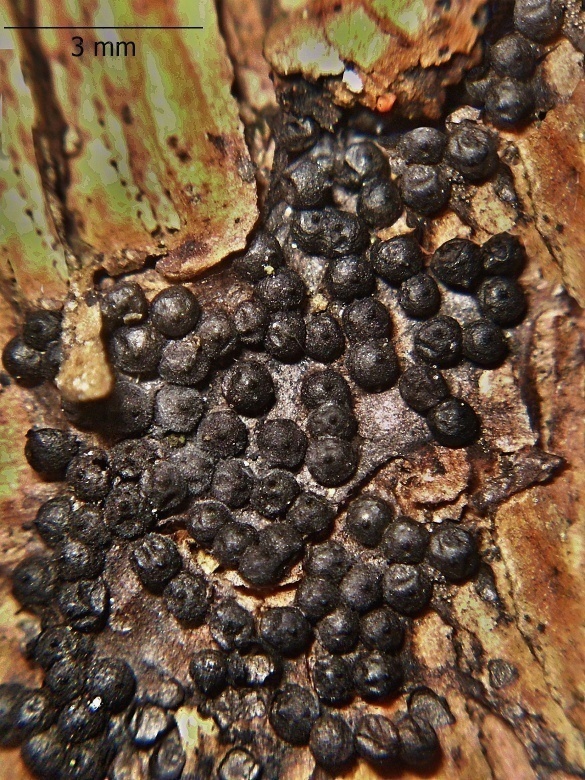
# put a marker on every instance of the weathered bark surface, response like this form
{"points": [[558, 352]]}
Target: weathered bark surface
{"points": [[506, 651]]}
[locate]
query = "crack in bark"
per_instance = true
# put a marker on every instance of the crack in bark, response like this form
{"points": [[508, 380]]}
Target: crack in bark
{"points": [[49, 134]]}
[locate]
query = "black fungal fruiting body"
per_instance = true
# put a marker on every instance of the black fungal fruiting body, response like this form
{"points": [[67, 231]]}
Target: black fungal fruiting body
{"points": [[49, 451], [367, 517]]}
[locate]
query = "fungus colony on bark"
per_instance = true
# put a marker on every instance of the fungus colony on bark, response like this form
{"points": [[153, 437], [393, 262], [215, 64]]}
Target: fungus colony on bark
{"points": [[196, 442]]}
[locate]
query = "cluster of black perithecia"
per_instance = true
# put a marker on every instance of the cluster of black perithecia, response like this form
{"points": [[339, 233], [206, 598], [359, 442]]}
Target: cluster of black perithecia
{"points": [[197, 442]]}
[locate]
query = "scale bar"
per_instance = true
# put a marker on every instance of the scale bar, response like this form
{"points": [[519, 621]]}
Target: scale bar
{"points": [[109, 27]]}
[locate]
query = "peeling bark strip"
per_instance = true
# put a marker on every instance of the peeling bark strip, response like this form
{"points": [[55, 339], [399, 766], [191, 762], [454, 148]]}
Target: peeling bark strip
{"points": [[496, 666], [125, 146]]}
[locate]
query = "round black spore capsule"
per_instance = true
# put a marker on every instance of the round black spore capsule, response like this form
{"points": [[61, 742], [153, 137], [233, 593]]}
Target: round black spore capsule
{"points": [[405, 541], [218, 336], [183, 362], [419, 296], [513, 56], [248, 388], [367, 518], [377, 740], [453, 551], [361, 587], [178, 409], [285, 336], [332, 680], [113, 680], [232, 626], [458, 264], [373, 365], [40, 328], [175, 311], [163, 487], [195, 467], [325, 342], [359, 162], [332, 742], [329, 560], [397, 259], [280, 291], [424, 189], [33, 581], [168, 759], [407, 589], [76, 560], [59, 643], [286, 630], [52, 520], [293, 711], [476, 85], [472, 151], [263, 258], [232, 483], [186, 598], [366, 319], [230, 542], [509, 102], [332, 420], [257, 669], [311, 515], [11, 695], [129, 409], [329, 232], [503, 255], [381, 630], [339, 631], [124, 304], [419, 745], [137, 350], [439, 341], [34, 712], [376, 676], [306, 184], [331, 462], [156, 560], [422, 387], [281, 442], [65, 679], [208, 668], [349, 277], [85, 604], [205, 519], [88, 475], [44, 754], [239, 763], [453, 423], [250, 320], [538, 20], [274, 493], [321, 387], [267, 562], [484, 343], [82, 719], [502, 300], [223, 434], [316, 597], [379, 203], [296, 134], [423, 145], [127, 512], [25, 364]]}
